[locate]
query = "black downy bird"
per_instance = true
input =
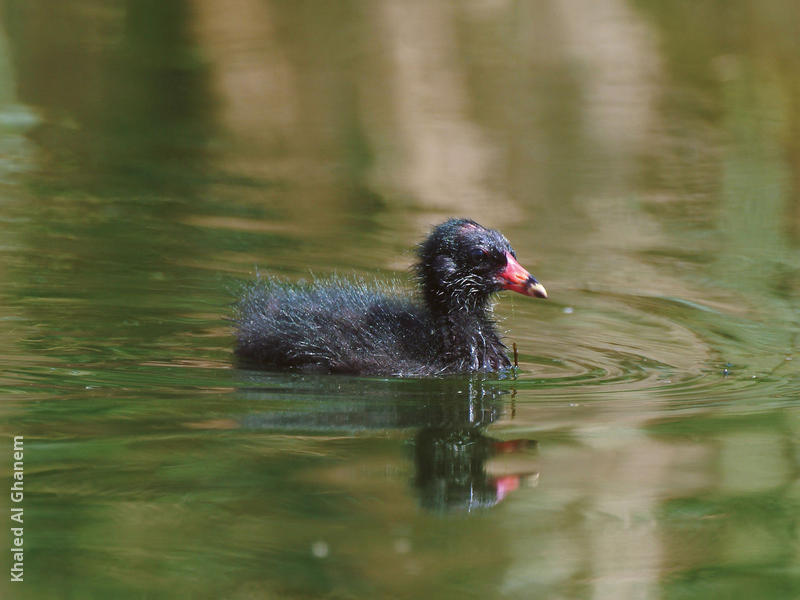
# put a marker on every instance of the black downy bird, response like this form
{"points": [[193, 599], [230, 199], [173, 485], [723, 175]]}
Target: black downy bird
{"points": [[341, 326]]}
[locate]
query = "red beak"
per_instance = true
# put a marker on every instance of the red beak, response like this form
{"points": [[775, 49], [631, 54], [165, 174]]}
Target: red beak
{"points": [[515, 278]]}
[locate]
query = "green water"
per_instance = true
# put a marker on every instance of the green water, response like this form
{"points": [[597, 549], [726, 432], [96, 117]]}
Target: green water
{"points": [[641, 156]]}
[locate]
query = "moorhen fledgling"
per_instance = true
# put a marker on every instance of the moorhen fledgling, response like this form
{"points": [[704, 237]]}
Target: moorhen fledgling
{"points": [[340, 326]]}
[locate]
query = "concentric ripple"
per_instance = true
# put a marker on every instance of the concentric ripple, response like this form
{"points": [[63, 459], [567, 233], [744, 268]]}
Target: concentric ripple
{"points": [[635, 342]]}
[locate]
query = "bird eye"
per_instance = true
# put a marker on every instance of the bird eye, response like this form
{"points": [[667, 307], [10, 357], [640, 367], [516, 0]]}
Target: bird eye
{"points": [[478, 254]]}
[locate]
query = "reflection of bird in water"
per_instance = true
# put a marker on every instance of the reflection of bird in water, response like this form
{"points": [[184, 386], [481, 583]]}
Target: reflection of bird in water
{"points": [[452, 474], [457, 466], [346, 327]]}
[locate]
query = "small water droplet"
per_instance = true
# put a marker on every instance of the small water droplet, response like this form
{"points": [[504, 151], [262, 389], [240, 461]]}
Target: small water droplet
{"points": [[319, 549], [568, 310]]}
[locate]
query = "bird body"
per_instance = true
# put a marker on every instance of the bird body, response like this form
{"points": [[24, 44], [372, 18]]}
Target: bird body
{"points": [[344, 326]]}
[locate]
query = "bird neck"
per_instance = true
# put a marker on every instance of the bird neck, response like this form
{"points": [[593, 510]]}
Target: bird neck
{"points": [[463, 307], [469, 339], [464, 328]]}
